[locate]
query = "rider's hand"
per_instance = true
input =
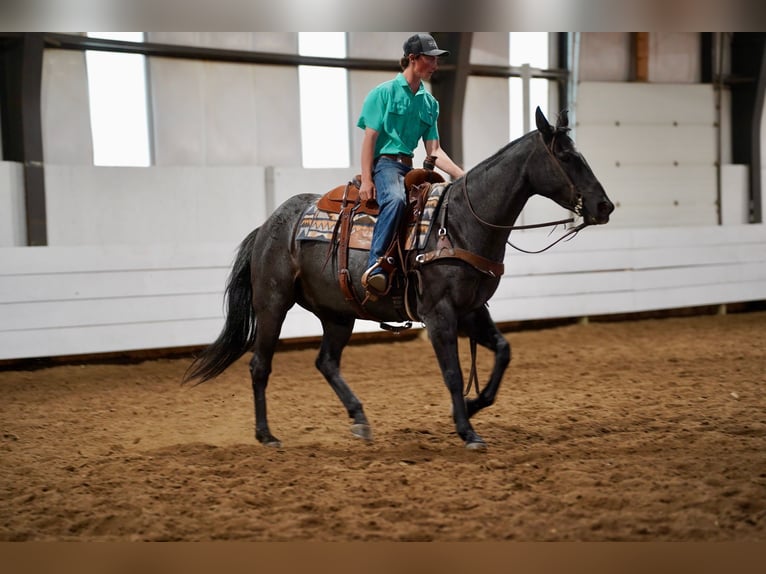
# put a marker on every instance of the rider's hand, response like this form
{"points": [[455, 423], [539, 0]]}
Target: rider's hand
{"points": [[367, 191]]}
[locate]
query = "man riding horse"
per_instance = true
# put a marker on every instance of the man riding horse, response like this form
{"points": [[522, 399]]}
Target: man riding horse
{"points": [[395, 116]]}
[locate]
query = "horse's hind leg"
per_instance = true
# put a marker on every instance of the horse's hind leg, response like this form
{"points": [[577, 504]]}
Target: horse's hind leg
{"points": [[335, 337], [479, 326], [267, 335]]}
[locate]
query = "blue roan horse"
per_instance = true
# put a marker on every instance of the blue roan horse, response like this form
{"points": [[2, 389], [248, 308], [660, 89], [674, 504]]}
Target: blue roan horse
{"points": [[273, 271]]}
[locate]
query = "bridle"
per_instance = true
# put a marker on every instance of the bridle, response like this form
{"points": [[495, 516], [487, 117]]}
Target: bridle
{"points": [[576, 202], [576, 198]]}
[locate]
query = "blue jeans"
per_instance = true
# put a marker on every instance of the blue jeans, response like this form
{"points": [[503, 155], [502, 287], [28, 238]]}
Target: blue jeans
{"points": [[388, 176]]}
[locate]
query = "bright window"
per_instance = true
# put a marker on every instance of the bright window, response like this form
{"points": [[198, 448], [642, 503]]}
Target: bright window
{"points": [[324, 102], [529, 48], [118, 104]]}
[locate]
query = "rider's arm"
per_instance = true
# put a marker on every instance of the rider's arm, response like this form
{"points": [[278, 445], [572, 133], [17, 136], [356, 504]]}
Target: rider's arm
{"points": [[367, 191], [443, 161]]}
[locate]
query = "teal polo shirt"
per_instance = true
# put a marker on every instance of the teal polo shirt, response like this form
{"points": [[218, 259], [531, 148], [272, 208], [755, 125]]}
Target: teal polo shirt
{"points": [[400, 117]]}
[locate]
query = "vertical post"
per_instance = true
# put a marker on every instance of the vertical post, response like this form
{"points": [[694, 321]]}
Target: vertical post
{"points": [[21, 66], [449, 88], [526, 77], [714, 70], [32, 129], [573, 78], [748, 92], [641, 56]]}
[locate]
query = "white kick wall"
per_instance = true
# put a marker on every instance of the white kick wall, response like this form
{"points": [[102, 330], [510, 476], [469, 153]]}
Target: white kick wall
{"points": [[138, 257]]}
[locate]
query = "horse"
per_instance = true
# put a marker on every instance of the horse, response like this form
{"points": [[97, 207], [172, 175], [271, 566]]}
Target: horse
{"points": [[273, 271]]}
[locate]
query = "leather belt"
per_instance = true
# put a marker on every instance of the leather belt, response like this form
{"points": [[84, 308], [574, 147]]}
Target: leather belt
{"points": [[401, 158]]}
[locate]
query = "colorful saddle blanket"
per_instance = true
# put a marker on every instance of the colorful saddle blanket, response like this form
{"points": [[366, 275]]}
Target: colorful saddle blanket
{"points": [[319, 225]]}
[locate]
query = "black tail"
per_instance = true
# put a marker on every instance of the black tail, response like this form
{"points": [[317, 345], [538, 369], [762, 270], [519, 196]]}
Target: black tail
{"points": [[238, 334]]}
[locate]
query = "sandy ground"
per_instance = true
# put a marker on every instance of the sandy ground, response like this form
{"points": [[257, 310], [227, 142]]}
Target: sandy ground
{"points": [[642, 430]]}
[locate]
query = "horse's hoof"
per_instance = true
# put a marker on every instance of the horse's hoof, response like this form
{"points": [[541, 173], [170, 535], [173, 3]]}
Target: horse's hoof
{"points": [[268, 440], [477, 445], [362, 431]]}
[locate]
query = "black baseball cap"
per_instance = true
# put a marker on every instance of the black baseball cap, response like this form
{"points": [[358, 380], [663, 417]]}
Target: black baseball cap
{"points": [[423, 44]]}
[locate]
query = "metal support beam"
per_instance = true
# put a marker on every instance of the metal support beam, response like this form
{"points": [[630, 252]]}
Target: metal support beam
{"points": [[707, 58], [449, 86], [199, 53], [21, 67], [564, 61], [748, 89]]}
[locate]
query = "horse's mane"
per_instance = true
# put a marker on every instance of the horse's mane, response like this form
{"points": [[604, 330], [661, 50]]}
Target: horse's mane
{"points": [[494, 158]]}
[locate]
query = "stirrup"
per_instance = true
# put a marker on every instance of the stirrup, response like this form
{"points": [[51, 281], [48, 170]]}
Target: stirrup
{"points": [[372, 282], [377, 283]]}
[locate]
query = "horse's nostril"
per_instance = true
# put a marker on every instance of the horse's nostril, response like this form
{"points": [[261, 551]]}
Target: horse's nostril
{"points": [[605, 207]]}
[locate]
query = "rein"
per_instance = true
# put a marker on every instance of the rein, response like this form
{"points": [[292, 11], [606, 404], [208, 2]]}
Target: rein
{"points": [[508, 227], [566, 237]]}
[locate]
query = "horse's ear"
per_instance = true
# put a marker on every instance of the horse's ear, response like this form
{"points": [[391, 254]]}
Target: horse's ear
{"points": [[563, 121], [542, 123]]}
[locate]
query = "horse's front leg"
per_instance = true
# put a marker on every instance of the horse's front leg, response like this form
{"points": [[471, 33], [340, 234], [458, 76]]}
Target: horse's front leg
{"points": [[443, 335], [481, 328]]}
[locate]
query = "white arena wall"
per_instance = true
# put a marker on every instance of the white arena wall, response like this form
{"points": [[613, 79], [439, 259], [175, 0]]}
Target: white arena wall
{"points": [[138, 257], [95, 299]]}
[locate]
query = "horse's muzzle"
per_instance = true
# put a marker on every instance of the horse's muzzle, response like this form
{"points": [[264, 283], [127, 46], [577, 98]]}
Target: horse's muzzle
{"points": [[602, 212], [605, 209]]}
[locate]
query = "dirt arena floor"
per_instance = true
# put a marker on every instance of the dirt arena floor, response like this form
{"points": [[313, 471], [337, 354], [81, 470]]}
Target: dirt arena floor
{"points": [[641, 430]]}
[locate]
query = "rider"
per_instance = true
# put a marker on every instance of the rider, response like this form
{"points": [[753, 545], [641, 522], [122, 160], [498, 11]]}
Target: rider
{"points": [[395, 116]]}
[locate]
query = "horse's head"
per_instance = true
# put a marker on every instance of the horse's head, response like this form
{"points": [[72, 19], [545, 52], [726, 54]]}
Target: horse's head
{"points": [[565, 177]]}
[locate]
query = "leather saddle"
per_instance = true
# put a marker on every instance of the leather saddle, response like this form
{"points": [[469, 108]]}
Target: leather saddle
{"points": [[335, 200], [344, 200]]}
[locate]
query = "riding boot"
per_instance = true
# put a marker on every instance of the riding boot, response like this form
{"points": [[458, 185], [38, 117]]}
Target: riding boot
{"points": [[375, 279]]}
